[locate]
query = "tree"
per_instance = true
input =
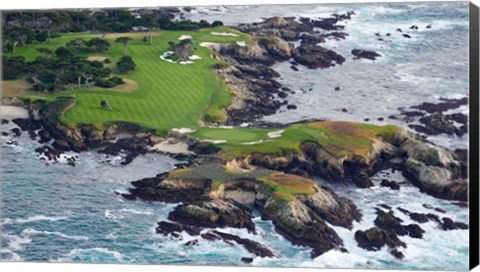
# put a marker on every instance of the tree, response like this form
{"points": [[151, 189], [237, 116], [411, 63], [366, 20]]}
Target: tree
{"points": [[13, 67], [19, 36], [149, 20], [64, 52], [105, 105], [125, 65], [125, 41], [99, 44], [46, 53]]}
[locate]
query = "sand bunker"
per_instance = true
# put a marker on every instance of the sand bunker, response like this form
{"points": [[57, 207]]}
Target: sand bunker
{"points": [[12, 112], [276, 134], [224, 34], [184, 37], [241, 43], [183, 130], [253, 143], [216, 141], [167, 56], [172, 147]]}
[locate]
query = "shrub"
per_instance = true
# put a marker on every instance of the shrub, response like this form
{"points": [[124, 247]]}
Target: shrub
{"points": [[64, 52], [109, 82], [107, 61], [125, 65], [13, 67]]}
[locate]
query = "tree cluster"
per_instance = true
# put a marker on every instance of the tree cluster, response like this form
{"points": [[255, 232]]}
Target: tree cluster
{"points": [[26, 27], [53, 73]]}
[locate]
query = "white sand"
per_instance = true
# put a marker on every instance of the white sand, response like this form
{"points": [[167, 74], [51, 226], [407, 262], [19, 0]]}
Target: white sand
{"points": [[253, 143], [208, 44], [183, 130], [241, 43], [216, 141], [224, 34], [167, 54], [12, 112], [276, 134], [184, 37], [172, 147], [194, 57]]}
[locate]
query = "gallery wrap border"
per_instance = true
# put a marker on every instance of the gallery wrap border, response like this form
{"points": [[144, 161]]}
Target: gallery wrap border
{"points": [[474, 137]]}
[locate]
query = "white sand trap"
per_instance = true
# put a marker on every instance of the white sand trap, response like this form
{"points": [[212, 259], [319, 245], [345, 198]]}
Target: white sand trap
{"points": [[253, 143], [208, 44], [12, 112], [224, 34], [241, 43], [165, 57], [184, 37], [183, 130], [216, 141], [170, 146], [194, 57], [276, 134]]}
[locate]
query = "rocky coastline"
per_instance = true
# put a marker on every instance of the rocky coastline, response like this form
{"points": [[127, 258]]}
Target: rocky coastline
{"points": [[305, 217]]}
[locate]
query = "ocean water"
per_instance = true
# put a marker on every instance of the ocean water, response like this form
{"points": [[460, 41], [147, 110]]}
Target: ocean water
{"points": [[60, 213]]}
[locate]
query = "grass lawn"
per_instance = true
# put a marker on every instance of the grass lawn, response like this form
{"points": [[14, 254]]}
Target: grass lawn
{"points": [[338, 138], [168, 95]]}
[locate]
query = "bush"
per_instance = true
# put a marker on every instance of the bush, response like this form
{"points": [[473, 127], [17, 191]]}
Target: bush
{"points": [[125, 65], [41, 36], [109, 82], [13, 67], [117, 80], [64, 52], [220, 65], [217, 23], [107, 61]]}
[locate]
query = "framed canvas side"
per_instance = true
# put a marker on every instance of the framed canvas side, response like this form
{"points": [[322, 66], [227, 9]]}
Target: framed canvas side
{"points": [[474, 137]]}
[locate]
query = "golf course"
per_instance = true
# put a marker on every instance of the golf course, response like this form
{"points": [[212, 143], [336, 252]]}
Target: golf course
{"points": [[164, 95], [161, 95]]}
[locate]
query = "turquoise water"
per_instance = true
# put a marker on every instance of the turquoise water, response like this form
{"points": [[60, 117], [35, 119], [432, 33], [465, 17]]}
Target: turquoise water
{"points": [[60, 213]]}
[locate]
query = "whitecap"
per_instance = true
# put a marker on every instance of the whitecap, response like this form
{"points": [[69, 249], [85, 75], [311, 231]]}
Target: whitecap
{"points": [[31, 231], [34, 219]]}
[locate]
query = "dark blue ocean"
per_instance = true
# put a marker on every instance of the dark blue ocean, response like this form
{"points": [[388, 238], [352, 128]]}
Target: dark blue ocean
{"points": [[59, 213]]}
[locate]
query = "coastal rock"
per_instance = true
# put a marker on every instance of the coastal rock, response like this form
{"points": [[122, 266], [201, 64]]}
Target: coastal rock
{"points": [[374, 239], [251, 246], [277, 47], [167, 228], [390, 223], [365, 54], [390, 184], [170, 190], [308, 39], [300, 225], [415, 231], [316, 56], [336, 210], [214, 213], [436, 124]]}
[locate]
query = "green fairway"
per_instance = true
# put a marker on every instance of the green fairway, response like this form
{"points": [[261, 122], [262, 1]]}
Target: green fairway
{"points": [[168, 95], [338, 138]]}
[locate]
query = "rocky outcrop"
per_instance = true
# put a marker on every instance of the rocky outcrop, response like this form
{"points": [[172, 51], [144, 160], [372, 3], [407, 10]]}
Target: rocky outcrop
{"points": [[336, 210], [316, 56], [300, 225], [170, 190], [214, 213], [374, 239], [365, 54]]}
